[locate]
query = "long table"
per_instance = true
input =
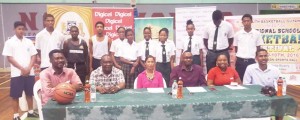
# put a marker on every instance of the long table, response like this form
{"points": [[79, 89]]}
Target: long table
{"points": [[130, 104]]}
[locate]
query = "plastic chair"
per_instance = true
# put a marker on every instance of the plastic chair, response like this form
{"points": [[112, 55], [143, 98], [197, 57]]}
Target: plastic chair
{"points": [[36, 89], [135, 83]]}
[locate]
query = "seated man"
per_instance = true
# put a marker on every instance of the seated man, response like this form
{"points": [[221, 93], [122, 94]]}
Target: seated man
{"points": [[191, 74], [108, 78], [52, 76], [261, 73]]}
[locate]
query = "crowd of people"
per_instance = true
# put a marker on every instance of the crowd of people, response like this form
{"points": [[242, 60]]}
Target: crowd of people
{"points": [[123, 63]]}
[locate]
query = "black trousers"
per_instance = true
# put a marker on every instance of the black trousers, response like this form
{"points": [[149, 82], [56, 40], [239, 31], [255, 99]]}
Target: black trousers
{"points": [[211, 58], [96, 63], [80, 70], [196, 59], [241, 65], [165, 70]]}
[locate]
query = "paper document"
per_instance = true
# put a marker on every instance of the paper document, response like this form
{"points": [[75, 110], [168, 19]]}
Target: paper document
{"points": [[196, 89], [155, 90], [235, 87]]}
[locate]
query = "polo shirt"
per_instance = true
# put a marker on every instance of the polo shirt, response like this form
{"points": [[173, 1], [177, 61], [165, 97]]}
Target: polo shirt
{"points": [[247, 43], [221, 78], [47, 42], [21, 51], [254, 75], [170, 50], [225, 31]]}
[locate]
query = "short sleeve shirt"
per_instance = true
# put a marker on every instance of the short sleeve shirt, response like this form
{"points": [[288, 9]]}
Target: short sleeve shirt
{"points": [[221, 78], [21, 51], [197, 44], [170, 50], [225, 31], [142, 48], [116, 46], [113, 79]]}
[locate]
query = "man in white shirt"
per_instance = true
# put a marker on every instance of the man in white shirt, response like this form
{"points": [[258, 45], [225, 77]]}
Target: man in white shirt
{"points": [[218, 38], [21, 55], [46, 40], [261, 73], [246, 42]]}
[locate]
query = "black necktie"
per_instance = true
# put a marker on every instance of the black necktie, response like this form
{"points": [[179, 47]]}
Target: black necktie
{"points": [[147, 49], [164, 55], [215, 39], [189, 49]]}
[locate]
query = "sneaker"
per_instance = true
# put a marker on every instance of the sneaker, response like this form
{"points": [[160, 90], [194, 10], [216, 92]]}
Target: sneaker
{"points": [[17, 118], [34, 114]]}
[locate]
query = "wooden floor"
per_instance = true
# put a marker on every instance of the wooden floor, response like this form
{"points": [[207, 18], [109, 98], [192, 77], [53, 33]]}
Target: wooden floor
{"points": [[6, 111]]}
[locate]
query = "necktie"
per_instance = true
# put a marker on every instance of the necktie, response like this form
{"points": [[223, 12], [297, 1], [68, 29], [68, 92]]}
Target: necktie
{"points": [[215, 39], [189, 49], [164, 55], [147, 49]]}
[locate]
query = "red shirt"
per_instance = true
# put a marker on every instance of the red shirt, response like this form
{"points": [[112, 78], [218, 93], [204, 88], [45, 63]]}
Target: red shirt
{"points": [[221, 78]]}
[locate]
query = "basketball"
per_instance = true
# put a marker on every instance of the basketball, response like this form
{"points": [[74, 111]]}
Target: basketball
{"points": [[64, 93]]}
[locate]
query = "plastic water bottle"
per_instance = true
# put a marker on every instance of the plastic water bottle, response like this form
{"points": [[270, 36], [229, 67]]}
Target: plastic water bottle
{"points": [[93, 91], [174, 89], [284, 86]]}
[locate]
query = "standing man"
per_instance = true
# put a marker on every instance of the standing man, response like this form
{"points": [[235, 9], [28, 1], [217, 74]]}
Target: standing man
{"points": [[218, 38], [21, 54], [246, 42], [76, 52], [108, 78], [99, 45], [46, 40], [56, 74], [192, 75]]}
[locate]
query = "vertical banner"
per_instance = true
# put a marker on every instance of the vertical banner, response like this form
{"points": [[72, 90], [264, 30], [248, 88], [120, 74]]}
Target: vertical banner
{"points": [[113, 18], [281, 35], [67, 16], [155, 24], [200, 16]]}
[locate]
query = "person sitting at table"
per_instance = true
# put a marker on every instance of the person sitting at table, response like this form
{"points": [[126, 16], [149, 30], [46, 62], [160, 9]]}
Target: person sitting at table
{"points": [[222, 74], [261, 73], [52, 76], [191, 74], [150, 78], [108, 78]]}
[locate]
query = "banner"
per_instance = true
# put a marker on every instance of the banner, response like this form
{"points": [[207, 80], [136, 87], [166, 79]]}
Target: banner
{"points": [[281, 35], [155, 24], [67, 16], [113, 18], [201, 16]]}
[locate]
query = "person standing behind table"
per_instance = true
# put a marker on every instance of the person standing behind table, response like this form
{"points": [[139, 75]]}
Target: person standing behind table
{"points": [[218, 38], [130, 59], [116, 45], [57, 74], [261, 73], [191, 74], [108, 79], [46, 40], [246, 42], [222, 74], [99, 45], [76, 53], [147, 47], [193, 44], [150, 78], [165, 54], [21, 54]]}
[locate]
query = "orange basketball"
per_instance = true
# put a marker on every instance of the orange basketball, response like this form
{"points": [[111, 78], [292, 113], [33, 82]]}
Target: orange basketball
{"points": [[64, 93]]}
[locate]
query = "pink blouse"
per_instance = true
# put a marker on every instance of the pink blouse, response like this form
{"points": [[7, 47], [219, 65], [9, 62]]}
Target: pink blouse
{"points": [[144, 82]]}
